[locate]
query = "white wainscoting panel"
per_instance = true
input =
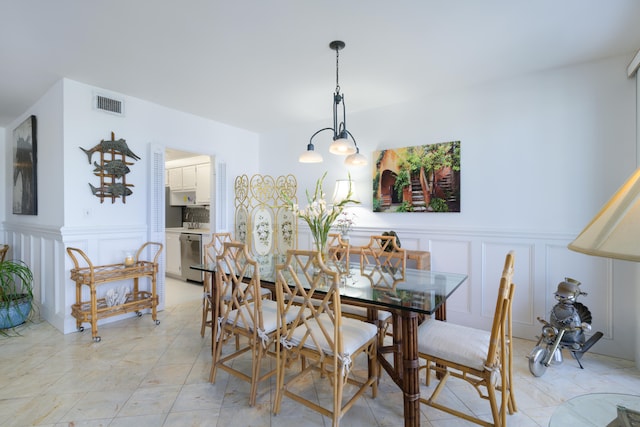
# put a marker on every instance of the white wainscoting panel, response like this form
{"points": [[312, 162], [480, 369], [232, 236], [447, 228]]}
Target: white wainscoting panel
{"points": [[493, 256], [36, 245], [455, 256], [542, 261]]}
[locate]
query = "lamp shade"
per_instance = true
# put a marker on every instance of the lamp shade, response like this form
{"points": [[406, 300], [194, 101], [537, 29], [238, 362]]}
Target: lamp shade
{"points": [[342, 146], [355, 159], [615, 231], [342, 190], [310, 156]]}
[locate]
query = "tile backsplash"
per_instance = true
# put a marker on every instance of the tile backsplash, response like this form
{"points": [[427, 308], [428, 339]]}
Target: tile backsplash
{"points": [[195, 214]]}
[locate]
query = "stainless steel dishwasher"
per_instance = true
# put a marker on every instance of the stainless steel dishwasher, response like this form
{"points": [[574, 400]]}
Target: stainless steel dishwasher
{"points": [[190, 254]]}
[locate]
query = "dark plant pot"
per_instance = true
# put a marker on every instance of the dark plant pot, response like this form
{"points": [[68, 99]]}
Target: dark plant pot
{"points": [[15, 314]]}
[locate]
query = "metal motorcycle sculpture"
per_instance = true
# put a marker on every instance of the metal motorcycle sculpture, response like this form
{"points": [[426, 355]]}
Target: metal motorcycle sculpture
{"points": [[569, 320]]}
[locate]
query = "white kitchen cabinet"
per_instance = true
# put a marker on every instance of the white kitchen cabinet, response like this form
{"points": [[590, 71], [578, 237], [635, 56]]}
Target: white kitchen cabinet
{"points": [[183, 198], [175, 179], [189, 178], [190, 185], [182, 179], [173, 254], [203, 181]]}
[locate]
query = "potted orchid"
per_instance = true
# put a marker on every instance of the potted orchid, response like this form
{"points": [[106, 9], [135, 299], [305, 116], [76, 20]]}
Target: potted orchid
{"points": [[318, 215]]}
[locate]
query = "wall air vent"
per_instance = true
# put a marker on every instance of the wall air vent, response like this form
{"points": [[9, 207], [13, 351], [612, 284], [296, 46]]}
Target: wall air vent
{"points": [[109, 104]]}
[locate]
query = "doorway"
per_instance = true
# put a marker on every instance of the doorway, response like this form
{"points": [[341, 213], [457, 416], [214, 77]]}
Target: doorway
{"points": [[189, 200]]}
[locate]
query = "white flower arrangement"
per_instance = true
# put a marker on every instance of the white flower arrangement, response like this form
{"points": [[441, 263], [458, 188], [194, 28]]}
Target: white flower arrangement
{"points": [[317, 214]]}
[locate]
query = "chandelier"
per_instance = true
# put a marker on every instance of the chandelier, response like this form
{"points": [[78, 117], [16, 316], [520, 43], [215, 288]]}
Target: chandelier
{"points": [[341, 144]]}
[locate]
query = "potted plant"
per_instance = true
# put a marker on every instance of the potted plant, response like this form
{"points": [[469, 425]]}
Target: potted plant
{"points": [[16, 293], [403, 181]]}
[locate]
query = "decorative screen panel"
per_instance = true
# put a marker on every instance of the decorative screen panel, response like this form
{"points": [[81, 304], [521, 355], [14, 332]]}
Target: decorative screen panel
{"points": [[262, 219]]}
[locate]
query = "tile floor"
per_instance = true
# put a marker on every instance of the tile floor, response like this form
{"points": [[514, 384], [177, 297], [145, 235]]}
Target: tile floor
{"points": [[143, 375]]}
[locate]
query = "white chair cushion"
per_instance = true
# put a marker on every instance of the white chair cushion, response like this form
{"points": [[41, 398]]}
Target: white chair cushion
{"points": [[355, 333], [459, 344], [269, 316], [265, 292], [362, 312]]}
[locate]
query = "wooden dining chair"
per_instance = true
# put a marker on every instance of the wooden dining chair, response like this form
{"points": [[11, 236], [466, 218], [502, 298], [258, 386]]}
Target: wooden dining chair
{"points": [[3, 252], [319, 337], [211, 250], [483, 359], [339, 254], [383, 261], [242, 313], [384, 264]]}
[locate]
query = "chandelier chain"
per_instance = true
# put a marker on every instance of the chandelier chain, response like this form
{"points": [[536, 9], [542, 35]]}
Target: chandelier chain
{"points": [[337, 66]]}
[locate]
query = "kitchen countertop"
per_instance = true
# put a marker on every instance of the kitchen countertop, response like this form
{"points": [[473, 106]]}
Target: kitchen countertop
{"points": [[187, 230]]}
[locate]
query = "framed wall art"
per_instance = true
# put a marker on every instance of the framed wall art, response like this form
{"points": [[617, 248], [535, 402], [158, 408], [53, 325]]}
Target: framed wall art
{"points": [[423, 178], [25, 194]]}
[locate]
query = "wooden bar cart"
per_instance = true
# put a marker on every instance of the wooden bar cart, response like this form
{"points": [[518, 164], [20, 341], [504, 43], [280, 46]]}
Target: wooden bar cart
{"points": [[92, 276]]}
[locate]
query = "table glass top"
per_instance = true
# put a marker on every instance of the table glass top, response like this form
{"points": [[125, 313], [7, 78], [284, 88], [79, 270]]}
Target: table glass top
{"points": [[598, 409], [422, 291]]}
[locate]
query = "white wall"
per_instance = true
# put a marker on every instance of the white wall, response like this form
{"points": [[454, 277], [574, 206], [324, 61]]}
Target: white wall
{"points": [[34, 238], [541, 152], [49, 130], [69, 215], [540, 155], [4, 176], [143, 123]]}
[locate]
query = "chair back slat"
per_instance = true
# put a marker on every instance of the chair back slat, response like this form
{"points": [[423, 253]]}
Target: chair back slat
{"points": [[502, 312]]}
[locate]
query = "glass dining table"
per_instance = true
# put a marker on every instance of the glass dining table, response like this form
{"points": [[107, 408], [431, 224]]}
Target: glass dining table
{"points": [[409, 295]]}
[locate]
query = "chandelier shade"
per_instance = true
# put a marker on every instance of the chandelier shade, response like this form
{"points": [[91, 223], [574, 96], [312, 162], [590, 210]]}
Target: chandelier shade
{"points": [[356, 159], [310, 156], [341, 144], [342, 147]]}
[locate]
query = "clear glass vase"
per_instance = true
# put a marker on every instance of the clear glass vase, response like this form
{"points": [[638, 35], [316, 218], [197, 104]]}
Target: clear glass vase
{"points": [[320, 245]]}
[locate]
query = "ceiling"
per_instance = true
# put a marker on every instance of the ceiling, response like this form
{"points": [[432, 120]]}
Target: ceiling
{"points": [[262, 65]]}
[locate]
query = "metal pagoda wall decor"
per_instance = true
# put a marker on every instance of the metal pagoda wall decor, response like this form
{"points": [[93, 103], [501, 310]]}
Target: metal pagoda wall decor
{"points": [[112, 169]]}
